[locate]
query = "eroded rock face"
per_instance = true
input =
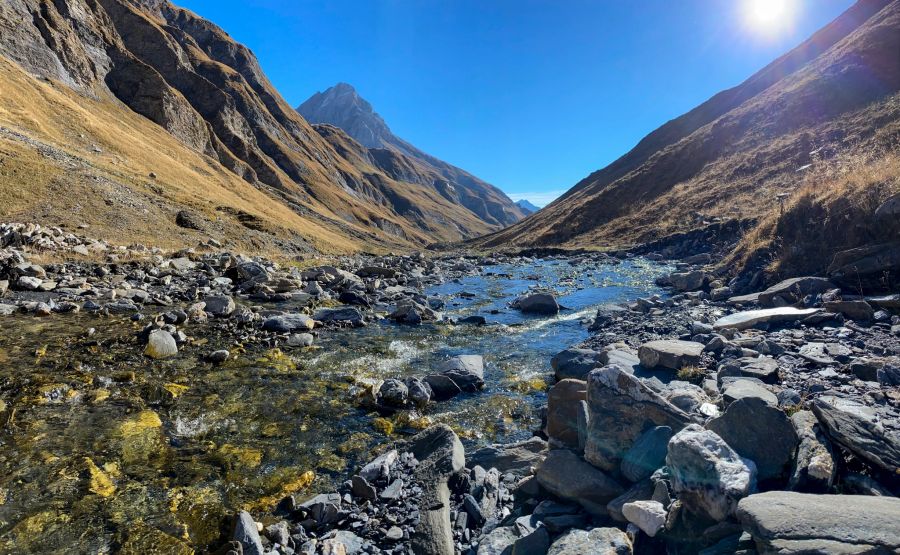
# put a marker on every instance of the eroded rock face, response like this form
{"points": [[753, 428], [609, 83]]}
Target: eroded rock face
{"points": [[870, 433], [788, 522], [620, 408], [707, 475]]}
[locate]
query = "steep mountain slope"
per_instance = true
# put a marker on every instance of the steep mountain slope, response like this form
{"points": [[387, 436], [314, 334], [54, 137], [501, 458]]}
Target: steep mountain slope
{"points": [[342, 107], [733, 155], [287, 185]]}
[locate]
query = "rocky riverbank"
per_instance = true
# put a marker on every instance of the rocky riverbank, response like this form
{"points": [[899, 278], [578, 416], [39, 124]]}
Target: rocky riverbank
{"points": [[695, 421], [766, 423]]}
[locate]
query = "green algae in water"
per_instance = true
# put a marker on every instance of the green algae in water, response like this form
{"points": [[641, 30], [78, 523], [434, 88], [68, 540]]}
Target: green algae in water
{"points": [[105, 450]]}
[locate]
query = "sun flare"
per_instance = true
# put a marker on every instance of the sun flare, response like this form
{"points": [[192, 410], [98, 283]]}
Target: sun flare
{"points": [[769, 16]]}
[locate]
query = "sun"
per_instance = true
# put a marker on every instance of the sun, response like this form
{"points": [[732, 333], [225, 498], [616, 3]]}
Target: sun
{"points": [[769, 16]]}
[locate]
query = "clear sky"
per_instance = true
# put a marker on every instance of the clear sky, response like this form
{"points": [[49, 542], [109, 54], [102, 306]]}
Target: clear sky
{"points": [[530, 95]]}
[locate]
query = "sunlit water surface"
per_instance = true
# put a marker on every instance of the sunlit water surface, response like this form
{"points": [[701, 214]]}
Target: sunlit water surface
{"points": [[102, 449]]}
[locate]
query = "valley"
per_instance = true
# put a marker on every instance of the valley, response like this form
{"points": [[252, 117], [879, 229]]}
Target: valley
{"points": [[232, 326]]}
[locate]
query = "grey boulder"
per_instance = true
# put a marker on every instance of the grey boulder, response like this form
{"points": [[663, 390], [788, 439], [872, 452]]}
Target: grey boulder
{"points": [[247, 534], [575, 363], [562, 411], [789, 522], [466, 371], [646, 454], [349, 315], [569, 477], [792, 290], [707, 475], [537, 303], [620, 408], [287, 323], [870, 433], [760, 432], [670, 353], [220, 306]]}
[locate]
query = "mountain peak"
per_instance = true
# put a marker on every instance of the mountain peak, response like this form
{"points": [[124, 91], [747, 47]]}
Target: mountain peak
{"points": [[342, 106]]}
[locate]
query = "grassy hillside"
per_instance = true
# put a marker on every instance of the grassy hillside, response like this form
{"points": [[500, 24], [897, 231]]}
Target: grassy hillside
{"points": [[832, 211], [731, 158], [69, 159]]}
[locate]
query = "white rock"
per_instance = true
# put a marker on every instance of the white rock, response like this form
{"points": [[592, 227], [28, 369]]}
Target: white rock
{"points": [[649, 516], [749, 318], [161, 344]]}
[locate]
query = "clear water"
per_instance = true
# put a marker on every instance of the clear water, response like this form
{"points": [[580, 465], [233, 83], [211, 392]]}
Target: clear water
{"points": [[103, 450]]}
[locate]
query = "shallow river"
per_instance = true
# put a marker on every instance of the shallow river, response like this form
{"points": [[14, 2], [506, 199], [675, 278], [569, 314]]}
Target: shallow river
{"points": [[102, 450]]}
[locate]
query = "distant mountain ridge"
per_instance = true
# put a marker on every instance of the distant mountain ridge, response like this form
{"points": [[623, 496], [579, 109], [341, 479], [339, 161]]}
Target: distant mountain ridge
{"points": [[527, 207], [730, 157], [343, 107]]}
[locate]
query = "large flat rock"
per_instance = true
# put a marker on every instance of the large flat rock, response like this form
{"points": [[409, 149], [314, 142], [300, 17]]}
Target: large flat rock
{"points": [[750, 318], [670, 353], [787, 522]]}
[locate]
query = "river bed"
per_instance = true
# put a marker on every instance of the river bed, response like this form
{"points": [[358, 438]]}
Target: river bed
{"points": [[104, 450]]}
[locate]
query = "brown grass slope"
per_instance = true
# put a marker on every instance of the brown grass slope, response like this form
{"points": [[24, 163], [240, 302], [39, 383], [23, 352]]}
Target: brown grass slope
{"points": [[732, 156], [832, 226], [110, 59]]}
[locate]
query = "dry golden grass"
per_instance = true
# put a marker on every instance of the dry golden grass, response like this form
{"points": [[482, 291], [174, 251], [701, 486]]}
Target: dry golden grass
{"points": [[68, 159], [830, 211], [64, 181]]}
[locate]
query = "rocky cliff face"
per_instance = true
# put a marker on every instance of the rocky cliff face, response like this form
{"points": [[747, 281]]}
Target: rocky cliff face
{"points": [[732, 156], [189, 77], [343, 107]]}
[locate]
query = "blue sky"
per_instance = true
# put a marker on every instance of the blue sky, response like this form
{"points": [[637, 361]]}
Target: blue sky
{"points": [[530, 95]]}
